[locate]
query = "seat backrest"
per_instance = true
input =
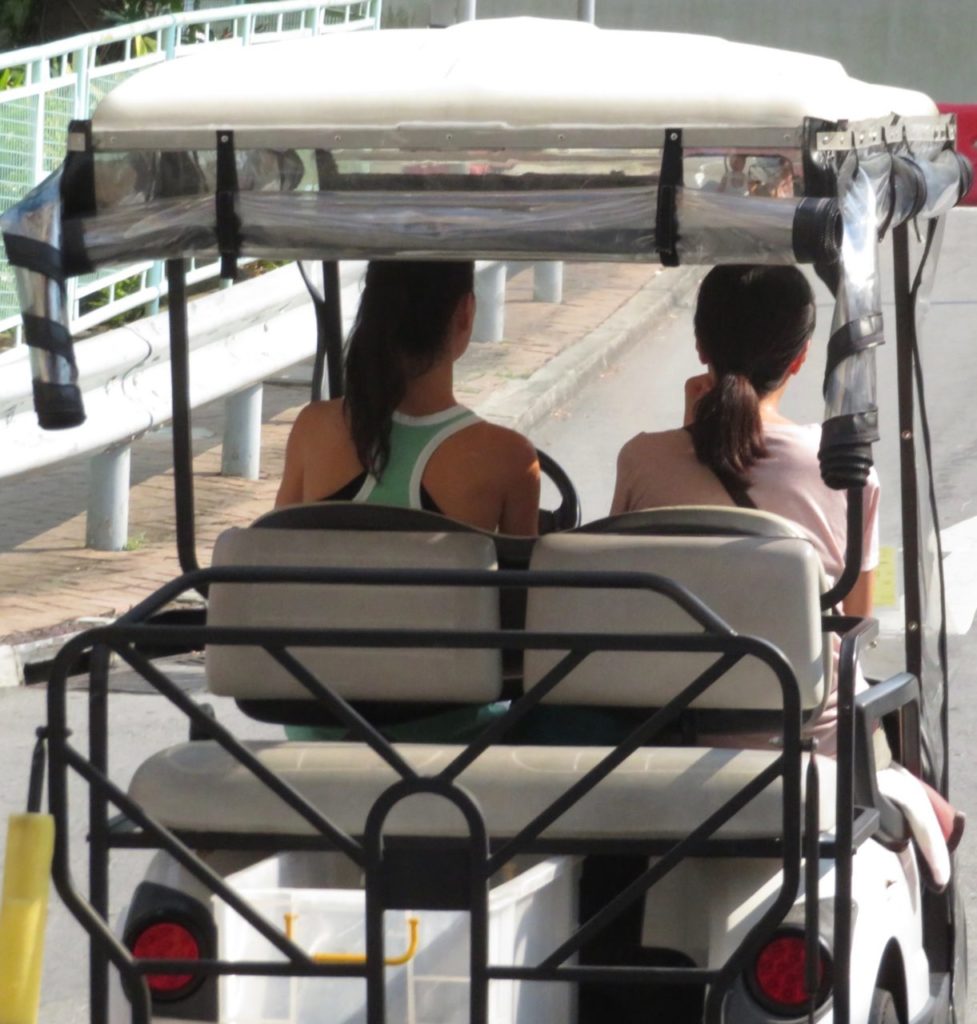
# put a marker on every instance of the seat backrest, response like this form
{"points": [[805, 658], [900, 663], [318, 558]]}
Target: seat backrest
{"points": [[417, 674], [698, 520], [765, 586]]}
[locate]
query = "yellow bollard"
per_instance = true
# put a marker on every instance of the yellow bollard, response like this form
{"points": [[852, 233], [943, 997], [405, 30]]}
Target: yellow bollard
{"points": [[23, 913]]}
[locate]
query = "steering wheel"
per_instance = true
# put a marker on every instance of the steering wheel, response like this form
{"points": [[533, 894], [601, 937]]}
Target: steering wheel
{"points": [[566, 516]]}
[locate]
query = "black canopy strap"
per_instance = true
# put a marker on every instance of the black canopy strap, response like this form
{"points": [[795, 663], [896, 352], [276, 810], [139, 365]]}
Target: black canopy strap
{"points": [[33, 254], [850, 339], [669, 181], [228, 224], [845, 453], [49, 336]]}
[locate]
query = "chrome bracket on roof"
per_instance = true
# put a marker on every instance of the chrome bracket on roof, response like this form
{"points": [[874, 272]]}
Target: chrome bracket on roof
{"points": [[862, 134]]}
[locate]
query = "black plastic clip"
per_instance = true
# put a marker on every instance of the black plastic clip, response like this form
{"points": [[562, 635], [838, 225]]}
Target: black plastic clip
{"points": [[670, 180], [228, 223], [78, 175]]}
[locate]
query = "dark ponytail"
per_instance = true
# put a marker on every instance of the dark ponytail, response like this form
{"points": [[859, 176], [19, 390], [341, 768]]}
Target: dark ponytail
{"points": [[751, 323], [400, 332]]}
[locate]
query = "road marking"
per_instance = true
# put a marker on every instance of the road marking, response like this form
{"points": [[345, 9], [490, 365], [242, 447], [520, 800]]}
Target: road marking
{"points": [[886, 588]]}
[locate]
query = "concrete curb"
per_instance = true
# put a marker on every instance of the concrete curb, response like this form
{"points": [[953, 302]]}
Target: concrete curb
{"points": [[519, 404], [15, 659], [11, 667]]}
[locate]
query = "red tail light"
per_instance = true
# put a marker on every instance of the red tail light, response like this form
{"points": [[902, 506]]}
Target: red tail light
{"points": [[778, 978], [168, 940]]}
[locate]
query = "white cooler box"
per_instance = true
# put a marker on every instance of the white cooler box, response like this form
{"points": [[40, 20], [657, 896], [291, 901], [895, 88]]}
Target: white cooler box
{"points": [[529, 916]]}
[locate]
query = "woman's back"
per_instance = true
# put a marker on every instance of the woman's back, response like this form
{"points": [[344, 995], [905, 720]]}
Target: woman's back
{"points": [[661, 469], [480, 473], [399, 437]]}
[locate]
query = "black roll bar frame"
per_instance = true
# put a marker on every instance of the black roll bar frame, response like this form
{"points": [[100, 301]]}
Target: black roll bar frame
{"points": [[486, 855]]}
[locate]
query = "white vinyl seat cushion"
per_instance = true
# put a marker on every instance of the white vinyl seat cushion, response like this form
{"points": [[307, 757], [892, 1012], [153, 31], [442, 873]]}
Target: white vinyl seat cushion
{"points": [[420, 673], [763, 586], [658, 792]]}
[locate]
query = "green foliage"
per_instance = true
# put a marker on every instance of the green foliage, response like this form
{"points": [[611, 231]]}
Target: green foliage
{"points": [[119, 12], [125, 287], [12, 78], [18, 19]]}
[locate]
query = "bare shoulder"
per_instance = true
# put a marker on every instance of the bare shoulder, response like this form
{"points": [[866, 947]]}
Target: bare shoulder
{"points": [[660, 440], [319, 413], [514, 447], [318, 419]]}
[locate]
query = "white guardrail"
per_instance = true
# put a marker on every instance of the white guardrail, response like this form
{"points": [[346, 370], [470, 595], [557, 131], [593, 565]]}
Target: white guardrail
{"points": [[47, 86]]}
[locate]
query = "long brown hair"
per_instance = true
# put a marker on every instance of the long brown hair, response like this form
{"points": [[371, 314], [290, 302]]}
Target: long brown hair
{"points": [[401, 330], [751, 323]]}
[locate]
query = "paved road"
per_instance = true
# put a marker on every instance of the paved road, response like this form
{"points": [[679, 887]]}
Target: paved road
{"points": [[641, 391]]}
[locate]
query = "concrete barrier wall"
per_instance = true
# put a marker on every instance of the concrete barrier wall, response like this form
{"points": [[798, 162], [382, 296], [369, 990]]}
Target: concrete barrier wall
{"points": [[921, 45]]}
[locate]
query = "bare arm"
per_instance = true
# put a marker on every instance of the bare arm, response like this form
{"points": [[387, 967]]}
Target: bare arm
{"points": [[859, 599], [619, 503], [291, 491], [520, 507]]}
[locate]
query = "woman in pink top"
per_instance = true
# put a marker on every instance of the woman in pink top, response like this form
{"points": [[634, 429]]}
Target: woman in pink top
{"points": [[753, 328]]}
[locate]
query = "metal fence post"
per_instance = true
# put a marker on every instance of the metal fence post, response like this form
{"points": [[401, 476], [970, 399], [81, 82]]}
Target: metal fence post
{"points": [[38, 75], [107, 523], [548, 281], [82, 104], [169, 41], [489, 302], [241, 454]]}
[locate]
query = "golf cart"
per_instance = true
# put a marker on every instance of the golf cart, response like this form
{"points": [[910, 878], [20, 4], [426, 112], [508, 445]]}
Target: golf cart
{"points": [[664, 877]]}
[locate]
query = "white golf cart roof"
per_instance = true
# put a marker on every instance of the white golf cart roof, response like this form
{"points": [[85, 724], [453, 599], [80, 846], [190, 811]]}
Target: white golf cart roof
{"points": [[501, 77]]}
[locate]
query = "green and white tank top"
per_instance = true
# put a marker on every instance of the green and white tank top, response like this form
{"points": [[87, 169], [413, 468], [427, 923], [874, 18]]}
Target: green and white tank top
{"points": [[413, 440]]}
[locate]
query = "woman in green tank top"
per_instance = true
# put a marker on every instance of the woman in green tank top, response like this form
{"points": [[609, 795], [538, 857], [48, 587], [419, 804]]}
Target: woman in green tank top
{"points": [[399, 437]]}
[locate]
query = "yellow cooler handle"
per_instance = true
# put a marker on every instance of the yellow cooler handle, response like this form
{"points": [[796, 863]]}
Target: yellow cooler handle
{"points": [[358, 958], [23, 914]]}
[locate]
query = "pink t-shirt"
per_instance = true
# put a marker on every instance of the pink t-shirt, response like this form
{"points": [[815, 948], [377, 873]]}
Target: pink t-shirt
{"points": [[656, 470]]}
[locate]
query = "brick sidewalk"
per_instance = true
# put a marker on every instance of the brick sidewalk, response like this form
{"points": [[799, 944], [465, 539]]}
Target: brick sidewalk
{"points": [[49, 579]]}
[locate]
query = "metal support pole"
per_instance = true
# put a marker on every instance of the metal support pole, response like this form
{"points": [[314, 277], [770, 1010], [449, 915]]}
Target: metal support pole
{"points": [[186, 542], [912, 589], [241, 453], [38, 75], [585, 10], [489, 302], [107, 523], [332, 327], [154, 279], [548, 281], [169, 41], [450, 12]]}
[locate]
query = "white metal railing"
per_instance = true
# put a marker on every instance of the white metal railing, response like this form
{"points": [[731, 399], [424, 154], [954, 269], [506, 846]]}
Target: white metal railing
{"points": [[49, 85]]}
